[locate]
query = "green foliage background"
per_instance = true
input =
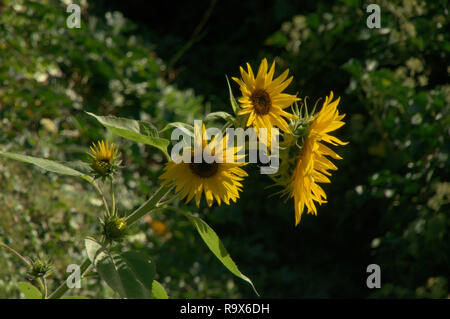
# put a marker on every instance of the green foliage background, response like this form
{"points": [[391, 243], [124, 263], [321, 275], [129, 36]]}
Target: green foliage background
{"points": [[388, 203]]}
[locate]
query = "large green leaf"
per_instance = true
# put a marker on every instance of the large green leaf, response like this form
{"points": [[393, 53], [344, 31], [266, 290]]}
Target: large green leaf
{"points": [[214, 243], [49, 165], [130, 274], [30, 291], [143, 267], [106, 268], [137, 131], [158, 291], [123, 274]]}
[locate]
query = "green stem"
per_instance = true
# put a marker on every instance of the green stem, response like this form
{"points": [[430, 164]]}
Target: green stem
{"points": [[169, 201], [113, 200], [26, 261], [62, 289], [148, 205], [103, 198], [44, 283], [42, 287]]}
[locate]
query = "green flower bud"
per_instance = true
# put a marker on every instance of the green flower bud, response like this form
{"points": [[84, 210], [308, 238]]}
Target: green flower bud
{"points": [[39, 269], [114, 228]]}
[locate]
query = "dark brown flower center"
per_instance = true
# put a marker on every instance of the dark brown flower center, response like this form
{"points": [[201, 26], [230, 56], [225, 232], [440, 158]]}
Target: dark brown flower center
{"points": [[261, 101], [204, 169]]}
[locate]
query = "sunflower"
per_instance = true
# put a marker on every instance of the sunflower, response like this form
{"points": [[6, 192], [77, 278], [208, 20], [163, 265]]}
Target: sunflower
{"points": [[262, 98], [219, 179], [313, 166], [103, 159]]}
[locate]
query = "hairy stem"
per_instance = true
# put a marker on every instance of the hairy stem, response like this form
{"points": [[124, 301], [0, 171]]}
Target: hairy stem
{"points": [[105, 203], [148, 205], [113, 200], [62, 289]]}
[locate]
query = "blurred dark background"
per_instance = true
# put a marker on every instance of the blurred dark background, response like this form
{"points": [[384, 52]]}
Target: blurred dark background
{"points": [[164, 61]]}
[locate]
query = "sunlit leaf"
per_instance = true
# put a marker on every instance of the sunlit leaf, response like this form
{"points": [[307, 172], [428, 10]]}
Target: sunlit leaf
{"points": [[49, 165], [158, 291], [137, 131], [30, 291], [92, 248]]}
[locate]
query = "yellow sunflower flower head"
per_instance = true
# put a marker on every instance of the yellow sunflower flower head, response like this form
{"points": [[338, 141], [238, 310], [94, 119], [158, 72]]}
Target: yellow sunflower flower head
{"points": [[263, 100], [103, 159], [218, 179], [311, 165]]}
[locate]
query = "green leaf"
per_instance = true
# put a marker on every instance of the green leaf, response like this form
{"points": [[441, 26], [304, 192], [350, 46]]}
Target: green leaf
{"points": [[92, 248], [234, 104], [137, 131], [214, 243], [187, 128], [107, 270], [81, 166], [220, 115], [49, 165], [142, 267], [30, 291], [132, 287], [130, 274], [74, 297], [158, 291]]}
